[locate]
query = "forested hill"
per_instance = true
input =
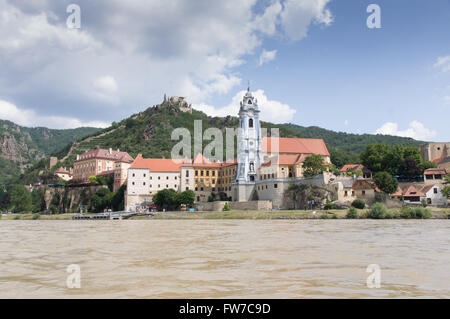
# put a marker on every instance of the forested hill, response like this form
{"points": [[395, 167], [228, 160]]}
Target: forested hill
{"points": [[22, 147], [149, 133]]}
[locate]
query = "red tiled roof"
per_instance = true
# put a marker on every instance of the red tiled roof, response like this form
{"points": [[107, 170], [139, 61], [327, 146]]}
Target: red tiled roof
{"points": [[437, 171], [106, 154], [284, 159], [296, 145], [157, 164], [412, 191], [362, 184], [63, 171], [350, 167]]}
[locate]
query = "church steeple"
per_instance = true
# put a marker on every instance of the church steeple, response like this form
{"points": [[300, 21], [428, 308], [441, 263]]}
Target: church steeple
{"points": [[249, 139]]}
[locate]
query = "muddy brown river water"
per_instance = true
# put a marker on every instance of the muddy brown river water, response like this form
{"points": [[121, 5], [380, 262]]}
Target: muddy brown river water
{"points": [[225, 259]]}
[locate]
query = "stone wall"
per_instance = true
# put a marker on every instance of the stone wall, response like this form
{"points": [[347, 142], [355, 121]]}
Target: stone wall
{"points": [[250, 205]]}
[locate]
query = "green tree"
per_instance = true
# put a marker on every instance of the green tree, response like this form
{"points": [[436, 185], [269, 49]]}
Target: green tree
{"points": [[38, 200], [165, 199], [410, 167], [386, 182], [376, 157], [101, 200], [446, 188], [5, 199], [313, 165], [185, 198], [427, 164], [118, 199], [21, 199]]}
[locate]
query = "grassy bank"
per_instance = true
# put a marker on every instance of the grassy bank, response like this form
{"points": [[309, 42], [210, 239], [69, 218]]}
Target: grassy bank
{"points": [[437, 213]]}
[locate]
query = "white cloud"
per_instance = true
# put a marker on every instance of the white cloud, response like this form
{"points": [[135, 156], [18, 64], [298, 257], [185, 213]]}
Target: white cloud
{"points": [[179, 47], [29, 118], [267, 56], [298, 15], [443, 63], [271, 110], [105, 88], [416, 130]]}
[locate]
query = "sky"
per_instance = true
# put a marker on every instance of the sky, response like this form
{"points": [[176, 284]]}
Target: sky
{"points": [[309, 62]]}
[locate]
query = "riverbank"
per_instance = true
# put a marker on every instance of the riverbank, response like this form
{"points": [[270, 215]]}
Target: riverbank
{"points": [[437, 213]]}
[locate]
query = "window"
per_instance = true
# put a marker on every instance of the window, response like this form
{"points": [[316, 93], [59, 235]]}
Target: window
{"points": [[435, 190], [145, 175], [187, 188], [167, 185], [167, 177], [159, 177], [175, 178], [143, 183], [198, 198], [363, 193], [134, 175], [187, 173], [196, 189], [250, 122], [275, 185], [201, 188], [345, 193], [213, 173], [132, 183], [201, 173], [196, 173], [207, 173]]}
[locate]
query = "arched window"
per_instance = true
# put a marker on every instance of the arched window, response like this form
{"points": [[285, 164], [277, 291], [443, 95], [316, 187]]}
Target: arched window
{"points": [[249, 102], [250, 123]]}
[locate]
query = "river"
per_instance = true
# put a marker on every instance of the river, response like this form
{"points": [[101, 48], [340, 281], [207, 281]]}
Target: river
{"points": [[225, 258]]}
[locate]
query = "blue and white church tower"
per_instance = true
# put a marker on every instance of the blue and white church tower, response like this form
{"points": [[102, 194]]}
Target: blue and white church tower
{"points": [[248, 148]]}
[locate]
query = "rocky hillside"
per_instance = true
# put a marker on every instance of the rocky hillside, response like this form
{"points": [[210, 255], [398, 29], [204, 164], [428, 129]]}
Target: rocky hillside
{"points": [[22, 147]]}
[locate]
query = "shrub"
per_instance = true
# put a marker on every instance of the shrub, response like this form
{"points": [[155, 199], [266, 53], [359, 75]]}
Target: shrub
{"points": [[324, 216], [16, 217], [415, 213], [377, 211], [334, 216], [380, 197], [36, 216], [226, 207], [424, 202], [352, 213], [329, 205], [359, 203]]}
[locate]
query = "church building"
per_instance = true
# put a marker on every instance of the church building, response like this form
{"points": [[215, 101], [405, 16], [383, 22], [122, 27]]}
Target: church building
{"points": [[268, 165]]}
